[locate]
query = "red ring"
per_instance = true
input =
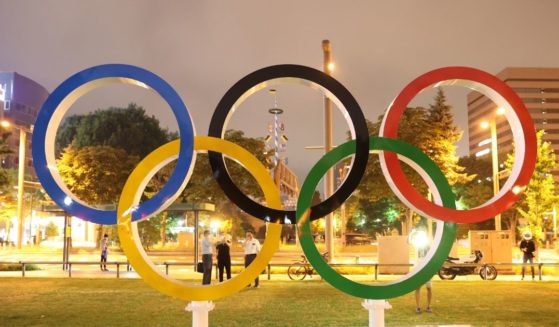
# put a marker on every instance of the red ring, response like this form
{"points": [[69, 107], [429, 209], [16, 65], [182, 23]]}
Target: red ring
{"points": [[398, 180]]}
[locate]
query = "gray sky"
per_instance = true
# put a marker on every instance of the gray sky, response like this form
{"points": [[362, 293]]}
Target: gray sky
{"points": [[203, 47]]}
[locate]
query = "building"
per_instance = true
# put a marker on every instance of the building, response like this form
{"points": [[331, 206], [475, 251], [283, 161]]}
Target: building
{"points": [[539, 89], [20, 101]]}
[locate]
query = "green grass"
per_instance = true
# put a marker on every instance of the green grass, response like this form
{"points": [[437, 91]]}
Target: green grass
{"points": [[125, 302]]}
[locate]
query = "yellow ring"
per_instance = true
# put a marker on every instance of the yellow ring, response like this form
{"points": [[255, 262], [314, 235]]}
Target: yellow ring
{"points": [[128, 231]]}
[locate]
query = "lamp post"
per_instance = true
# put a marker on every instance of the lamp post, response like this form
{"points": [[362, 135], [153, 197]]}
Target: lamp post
{"points": [[492, 125], [329, 180], [20, 176], [328, 67]]}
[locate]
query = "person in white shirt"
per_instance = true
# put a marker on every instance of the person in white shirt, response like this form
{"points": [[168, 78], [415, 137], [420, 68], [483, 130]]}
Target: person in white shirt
{"points": [[207, 248], [252, 247]]}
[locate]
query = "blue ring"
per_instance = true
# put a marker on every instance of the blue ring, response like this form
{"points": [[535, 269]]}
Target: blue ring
{"points": [[186, 132]]}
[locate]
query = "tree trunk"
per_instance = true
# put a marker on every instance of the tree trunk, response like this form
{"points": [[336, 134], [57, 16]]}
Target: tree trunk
{"points": [[99, 236], [407, 226], [163, 228], [234, 228], [513, 224]]}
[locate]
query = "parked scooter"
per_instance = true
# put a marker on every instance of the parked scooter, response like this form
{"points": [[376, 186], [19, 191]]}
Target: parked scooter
{"points": [[449, 271]]}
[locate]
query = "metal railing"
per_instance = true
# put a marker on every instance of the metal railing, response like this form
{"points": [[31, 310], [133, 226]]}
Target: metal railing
{"points": [[375, 266]]}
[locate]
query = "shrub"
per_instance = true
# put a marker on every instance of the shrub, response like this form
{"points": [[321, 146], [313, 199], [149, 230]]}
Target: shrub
{"points": [[17, 267]]}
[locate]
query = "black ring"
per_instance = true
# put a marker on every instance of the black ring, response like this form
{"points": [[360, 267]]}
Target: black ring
{"points": [[221, 114]]}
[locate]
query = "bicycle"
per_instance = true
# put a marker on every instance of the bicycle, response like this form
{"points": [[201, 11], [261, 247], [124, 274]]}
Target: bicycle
{"points": [[300, 269]]}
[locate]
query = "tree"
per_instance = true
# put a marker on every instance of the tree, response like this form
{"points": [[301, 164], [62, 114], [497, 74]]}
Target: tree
{"points": [[51, 230], [431, 130], [129, 129], [539, 196], [414, 129], [440, 147], [475, 192], [149, 230], [8, 197], [5, 149], [96, 174], [202, 186], [378, 217]]}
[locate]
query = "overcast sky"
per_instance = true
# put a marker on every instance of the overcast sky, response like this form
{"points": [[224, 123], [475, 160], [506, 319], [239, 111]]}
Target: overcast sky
{"points": [[203, 47]]}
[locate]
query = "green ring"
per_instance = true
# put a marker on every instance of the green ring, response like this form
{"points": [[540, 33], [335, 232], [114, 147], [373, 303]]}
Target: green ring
{"points": [[416, 278]]}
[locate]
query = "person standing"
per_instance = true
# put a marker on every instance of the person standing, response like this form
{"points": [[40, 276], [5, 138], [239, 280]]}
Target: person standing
{"points": [[104, 252], [207, 261], [252, 247], [224, 257], [421, 242], [528, 247]]}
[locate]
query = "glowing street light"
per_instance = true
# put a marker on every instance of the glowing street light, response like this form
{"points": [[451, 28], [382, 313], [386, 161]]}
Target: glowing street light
{"points": [[215, 224], [419, 239]]}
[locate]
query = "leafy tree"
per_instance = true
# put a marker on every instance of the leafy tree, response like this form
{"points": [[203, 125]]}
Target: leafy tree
{"points": [[444, 134], [413, 129], [96, 174], [431, 130], [202, 186], [8, 198], [378, 217], [4, 146], [7, 210], [129, 129], [51, 230], [5, 149], [540, 195], [149, 231], [476, 191]]}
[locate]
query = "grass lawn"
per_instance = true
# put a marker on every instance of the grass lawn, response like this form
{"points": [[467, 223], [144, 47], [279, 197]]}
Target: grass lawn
{"points": [[126, 302]]}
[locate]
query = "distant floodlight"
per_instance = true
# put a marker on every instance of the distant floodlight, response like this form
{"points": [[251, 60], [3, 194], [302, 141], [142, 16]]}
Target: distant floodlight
{"points": [[68, 201]]}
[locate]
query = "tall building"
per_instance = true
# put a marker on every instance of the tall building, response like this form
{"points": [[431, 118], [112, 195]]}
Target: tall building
{"points": [[539, 89], [20, 101]]}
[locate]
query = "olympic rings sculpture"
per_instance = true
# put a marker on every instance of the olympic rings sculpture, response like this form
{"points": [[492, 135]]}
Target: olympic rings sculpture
{"points": [[391, 150]]}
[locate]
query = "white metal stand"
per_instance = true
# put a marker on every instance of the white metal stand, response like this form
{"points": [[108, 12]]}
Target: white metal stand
{"points": [[376, 311], [200, 310]]}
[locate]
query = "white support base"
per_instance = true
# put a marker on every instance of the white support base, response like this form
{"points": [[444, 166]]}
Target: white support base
{"points": [[376, 311], [200, 310]]}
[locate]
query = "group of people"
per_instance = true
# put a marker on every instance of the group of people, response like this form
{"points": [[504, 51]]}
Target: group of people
{"points": [[223, 250], [252, 248]]}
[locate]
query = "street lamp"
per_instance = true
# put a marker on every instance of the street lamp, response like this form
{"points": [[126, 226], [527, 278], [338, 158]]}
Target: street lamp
{"points": [[492, 124], [328, 66], [215, 225], [21, 173]]}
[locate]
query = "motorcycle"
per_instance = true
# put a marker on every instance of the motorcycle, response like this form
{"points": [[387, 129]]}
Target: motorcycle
{"points": [[449, 271]]}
